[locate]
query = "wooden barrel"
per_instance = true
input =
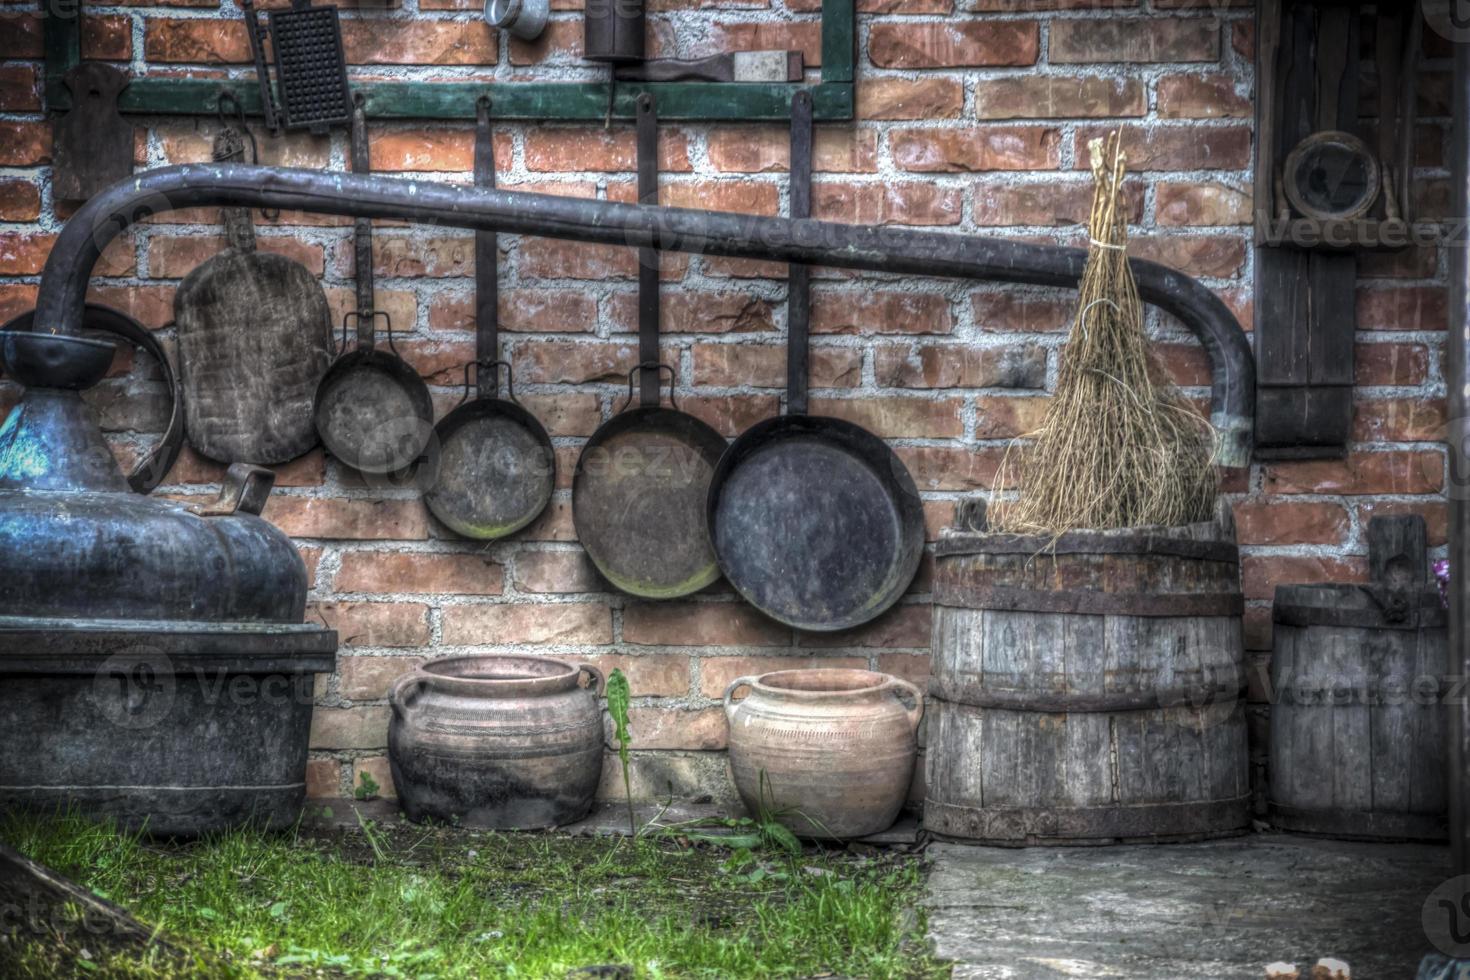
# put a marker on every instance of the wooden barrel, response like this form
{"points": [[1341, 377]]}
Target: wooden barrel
{"points": [[1087, 690], [1357, 719]]}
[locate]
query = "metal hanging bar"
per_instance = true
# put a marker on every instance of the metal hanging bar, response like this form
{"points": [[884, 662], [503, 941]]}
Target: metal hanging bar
{"points": [[882, 249]]}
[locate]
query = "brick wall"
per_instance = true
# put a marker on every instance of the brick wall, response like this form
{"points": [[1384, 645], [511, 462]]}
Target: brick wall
{"points": [[973, 116]]}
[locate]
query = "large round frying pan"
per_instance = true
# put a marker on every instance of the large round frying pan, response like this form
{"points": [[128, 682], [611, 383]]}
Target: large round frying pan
{"points": [[495, 469], [815, 521], [150, 470], [372, 410], [639, 492]]}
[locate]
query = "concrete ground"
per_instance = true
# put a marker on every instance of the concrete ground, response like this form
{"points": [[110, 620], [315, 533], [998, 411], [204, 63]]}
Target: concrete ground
{"points": [[1214, 911]]}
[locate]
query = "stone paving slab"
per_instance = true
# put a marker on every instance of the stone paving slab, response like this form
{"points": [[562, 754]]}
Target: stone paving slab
{"points": [[1217, 911]]}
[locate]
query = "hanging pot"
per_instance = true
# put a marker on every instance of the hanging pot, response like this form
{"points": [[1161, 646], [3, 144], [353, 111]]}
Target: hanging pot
{"points": [[829, 752], [502, 741]]}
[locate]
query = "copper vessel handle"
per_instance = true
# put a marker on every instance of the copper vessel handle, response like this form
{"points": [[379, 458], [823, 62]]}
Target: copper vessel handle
{"points": [[398, 694], [599, 682], [737, 683], [916, 713]]}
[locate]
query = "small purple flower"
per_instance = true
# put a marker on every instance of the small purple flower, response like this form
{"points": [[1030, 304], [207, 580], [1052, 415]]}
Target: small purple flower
{"points": [[1442, 576]]}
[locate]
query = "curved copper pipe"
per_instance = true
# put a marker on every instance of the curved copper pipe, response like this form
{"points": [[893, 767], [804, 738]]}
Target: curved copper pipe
{"points": [[808, 242]]}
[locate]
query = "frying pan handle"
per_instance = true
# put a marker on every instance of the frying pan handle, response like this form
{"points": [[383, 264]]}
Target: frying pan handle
{"points": [[798, 277], [916, 713], [366, 336], [735, 685], [487, 277], [658, 368], [494, 388], [599, 682]]}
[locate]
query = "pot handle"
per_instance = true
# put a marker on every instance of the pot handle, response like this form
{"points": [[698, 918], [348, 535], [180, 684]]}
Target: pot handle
{"points": [[400, 699], [599, 682], [916, 713], [735, 685]]}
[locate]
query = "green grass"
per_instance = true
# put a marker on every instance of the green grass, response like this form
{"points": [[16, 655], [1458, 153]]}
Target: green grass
{"points": [[407, 901]]}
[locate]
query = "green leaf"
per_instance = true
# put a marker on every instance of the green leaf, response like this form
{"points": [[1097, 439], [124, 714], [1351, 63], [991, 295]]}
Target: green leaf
{"points": [[782, 837], [277, 910]]}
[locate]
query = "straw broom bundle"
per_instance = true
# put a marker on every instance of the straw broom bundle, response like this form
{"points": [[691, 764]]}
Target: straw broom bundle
{"points": [[1119, 445]]}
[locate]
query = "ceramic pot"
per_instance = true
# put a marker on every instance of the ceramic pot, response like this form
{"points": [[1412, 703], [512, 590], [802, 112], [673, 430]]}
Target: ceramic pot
{"points": [[837, 748], [504, 741]]}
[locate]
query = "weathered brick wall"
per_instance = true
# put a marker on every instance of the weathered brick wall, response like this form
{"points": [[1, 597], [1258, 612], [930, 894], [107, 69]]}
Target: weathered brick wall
{"points": [[972, 116]]}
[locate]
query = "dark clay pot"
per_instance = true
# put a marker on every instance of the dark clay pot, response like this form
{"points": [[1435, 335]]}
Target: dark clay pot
{"points": [[503, 741]]}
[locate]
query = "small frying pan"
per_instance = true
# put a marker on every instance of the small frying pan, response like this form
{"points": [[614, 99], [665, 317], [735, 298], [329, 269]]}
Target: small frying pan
{"points": [[372, 409], [815, 521], [639, 492], [495, 469]]}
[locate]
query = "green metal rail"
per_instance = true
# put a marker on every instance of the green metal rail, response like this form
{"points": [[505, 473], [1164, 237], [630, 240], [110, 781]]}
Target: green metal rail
{"points": [[832, 98]]}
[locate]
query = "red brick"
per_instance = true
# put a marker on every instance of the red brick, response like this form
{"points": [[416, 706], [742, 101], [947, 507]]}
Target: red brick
{"points": [[803, 36], [902, 627], [1202, 97], [323, 779], [1134, 40], [174, 257], [1003, 417], [649, 675], [24, 254], [1359, 473], [1411, 263], [730, 415], [898, 418], [951, 44], [107, 37], [874, 312], [407, 255], [701, 729], [332, 518], [1173, 147], [1010, 311], [1060, 97], [308, 470], [419, 42], [764, 366], [560, 42], [699, 311], [556, 572], [431, 150], [1201, 204], [572, 362], [902, 98], [583, 149], [887, 203], [24, 144], [20, 89], [1185, 364], [959, 366], [716, 673], [941, 469], [195, 41], [375, 624], [559, 623], [1399, 420], [193, 141], [1260, 574], [522, 311], [1276, 522], [369, 678], [554, 524], [20, 36], [1002, 204], [150, 305], [1218, 256], [1243, 38], [700, 624], [16, 298], [1390, 364], [547, 258], [363, 727], [912, 667], [418, 572], [765, 149], [989, 148], [743, 196], [1403, 308]]}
